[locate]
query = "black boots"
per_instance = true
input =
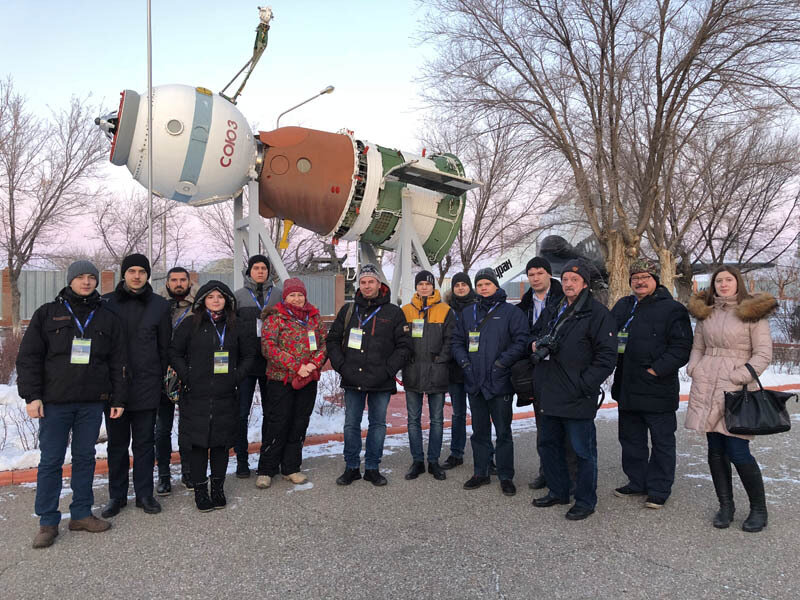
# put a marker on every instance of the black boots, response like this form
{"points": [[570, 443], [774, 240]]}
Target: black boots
{"points": [[753, 484], [417, 469], [164, 487], [720, 468], [201, 499], [218, 492]]}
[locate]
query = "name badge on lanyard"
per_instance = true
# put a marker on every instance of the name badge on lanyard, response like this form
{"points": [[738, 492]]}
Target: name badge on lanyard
{"points": [[312, 341], [354, 341], [260, 306], [81, 351], [622, 341], [220, 362], [474, 340], [259, 326], [417, 327]]}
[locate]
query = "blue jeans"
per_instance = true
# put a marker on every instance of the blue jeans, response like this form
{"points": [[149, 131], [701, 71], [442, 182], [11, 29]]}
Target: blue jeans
{"points": [[436, 413], [377, 403], [485, 412], [247, 388], [583, 438], [83, 420], [458, 428], [737, 449]]}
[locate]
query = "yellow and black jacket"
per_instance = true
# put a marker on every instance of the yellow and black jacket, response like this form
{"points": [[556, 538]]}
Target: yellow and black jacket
{"points": [[428, 370]]}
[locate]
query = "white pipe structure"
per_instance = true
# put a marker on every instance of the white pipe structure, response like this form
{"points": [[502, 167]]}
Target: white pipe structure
{"points": [[149, 134], [327, 90]]}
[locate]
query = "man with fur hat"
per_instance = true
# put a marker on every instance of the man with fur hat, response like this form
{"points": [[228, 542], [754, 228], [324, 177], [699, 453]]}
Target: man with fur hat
{"points": [[580, 355], [427, 372], [368, 343], [70, 367], [654, 340], [145, 321], [257, 294]]}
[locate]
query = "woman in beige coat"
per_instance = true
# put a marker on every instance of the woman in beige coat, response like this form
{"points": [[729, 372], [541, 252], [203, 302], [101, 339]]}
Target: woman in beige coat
{"points": [[732, 329]]}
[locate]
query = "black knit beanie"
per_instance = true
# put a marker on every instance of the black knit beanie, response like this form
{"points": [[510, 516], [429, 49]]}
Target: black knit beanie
{"points": [[135, 260], [537, 262]]}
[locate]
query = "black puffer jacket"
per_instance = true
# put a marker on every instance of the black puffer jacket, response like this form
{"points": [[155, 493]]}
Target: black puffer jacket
{"points": [[385, 346], [209, 405], [44, 371], [659, 338], [427, 371], [248, 313], [554, 296], [145, 320], [568, 383], [458, 304]]}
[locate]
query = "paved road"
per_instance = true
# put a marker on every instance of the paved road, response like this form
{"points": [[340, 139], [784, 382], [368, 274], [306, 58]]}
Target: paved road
{"points": [[422, 539]]}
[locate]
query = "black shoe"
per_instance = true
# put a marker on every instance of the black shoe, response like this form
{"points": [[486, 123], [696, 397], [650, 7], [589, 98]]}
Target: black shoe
{"points": [[349, 476], [578, 513], [655, 503], [149, 505], [538, 484], [113, 507], [492, 468], [753, 483], [417, 469], [201, 499], [218, 492], [508, 487], [476, 481], [186, 481], [720, 467], [242, 470], [374, 477], [549, 500], [164, 487], [627, 491], [452, 462], [435, 469]]}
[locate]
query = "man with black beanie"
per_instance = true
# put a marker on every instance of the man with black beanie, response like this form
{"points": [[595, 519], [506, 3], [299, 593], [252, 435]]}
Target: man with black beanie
{"points": [[257, 294], [145, 321]]}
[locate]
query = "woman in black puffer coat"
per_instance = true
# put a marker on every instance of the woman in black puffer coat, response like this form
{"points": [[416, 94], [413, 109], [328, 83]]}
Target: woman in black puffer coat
{"points": [[211, 353]]}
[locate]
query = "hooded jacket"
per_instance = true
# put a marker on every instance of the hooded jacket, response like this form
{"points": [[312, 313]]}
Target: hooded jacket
{"points": [[385, 346], [248, 313], [727, 335], [428, 369], [285, 341]]}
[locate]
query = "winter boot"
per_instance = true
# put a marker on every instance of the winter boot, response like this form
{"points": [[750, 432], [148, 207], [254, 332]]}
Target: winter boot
{"points": [[46, 536], [753, 483], [164, 487], [218, 492], [201, 499], [720, 468]]}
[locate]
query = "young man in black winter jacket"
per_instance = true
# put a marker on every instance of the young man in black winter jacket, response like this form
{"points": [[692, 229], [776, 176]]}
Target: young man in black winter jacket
{"points": [[145, 319], [70, 367], [566, 384], [654, 341]]}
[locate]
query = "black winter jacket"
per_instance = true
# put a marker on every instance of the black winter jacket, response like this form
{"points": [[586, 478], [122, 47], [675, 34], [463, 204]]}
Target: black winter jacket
{"points": [[659, 338], [209, 404], [44, 371], [503, 338], [385, 346], [145, 319], [458, 304], [568, 383], [554, 296], [249, 314], [428, 369]]}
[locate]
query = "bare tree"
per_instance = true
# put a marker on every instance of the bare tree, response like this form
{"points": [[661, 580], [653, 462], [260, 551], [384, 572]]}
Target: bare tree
{"points": [[61, 258], [217, 223], [607, 86], [45, 165]]}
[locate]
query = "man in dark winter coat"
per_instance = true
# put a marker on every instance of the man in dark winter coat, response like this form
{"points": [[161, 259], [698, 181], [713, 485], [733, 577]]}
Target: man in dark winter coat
{"points": [[368, 343], [427, 372], [256, 294], [566, 384], [178, 289], [654, 341], [487, 340], [70, 367], [145, 320]]}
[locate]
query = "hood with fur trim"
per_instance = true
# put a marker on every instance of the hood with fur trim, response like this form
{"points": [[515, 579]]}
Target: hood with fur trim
{"points": [[758, 307]]}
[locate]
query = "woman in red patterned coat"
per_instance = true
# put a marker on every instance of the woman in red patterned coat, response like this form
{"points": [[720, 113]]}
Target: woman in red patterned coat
{"points": [[293, 342]]}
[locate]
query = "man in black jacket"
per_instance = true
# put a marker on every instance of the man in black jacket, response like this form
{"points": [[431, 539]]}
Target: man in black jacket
{"points": [[70, 366], [368, 343], [566, 384], [145, 319], [654, 341]]}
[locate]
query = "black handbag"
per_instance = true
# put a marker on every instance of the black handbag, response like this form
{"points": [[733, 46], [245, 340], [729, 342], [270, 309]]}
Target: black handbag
{"points": [[522, 381], [759, 412]]}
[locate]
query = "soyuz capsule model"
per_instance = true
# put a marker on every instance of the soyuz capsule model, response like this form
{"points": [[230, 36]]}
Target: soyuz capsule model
{"points": [[330, 183]]}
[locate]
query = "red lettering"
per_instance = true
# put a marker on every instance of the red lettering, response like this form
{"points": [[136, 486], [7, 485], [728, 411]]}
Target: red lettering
{"points": [[227, 149], [232, 124], [230, 135], [222, 160]]}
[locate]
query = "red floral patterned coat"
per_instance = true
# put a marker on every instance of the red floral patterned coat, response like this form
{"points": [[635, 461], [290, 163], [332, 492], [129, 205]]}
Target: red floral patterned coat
{"points": [[285, 342]]}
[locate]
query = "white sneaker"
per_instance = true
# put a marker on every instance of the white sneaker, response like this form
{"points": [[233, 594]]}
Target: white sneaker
{"points": [[263, 482], [296, 478]]}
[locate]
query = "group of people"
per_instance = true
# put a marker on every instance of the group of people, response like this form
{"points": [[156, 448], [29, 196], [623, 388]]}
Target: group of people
{"points": [[132, 354]]}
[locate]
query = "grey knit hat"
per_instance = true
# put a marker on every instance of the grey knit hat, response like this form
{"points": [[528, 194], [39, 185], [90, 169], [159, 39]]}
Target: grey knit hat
{"points": [[369, 270], [81, 267]]}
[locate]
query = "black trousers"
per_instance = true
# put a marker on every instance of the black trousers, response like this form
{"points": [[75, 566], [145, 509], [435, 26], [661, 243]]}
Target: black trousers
{"points": [[138, 426], [486, 412], [283, 430], [164, 421], [198, 463], [650, 470]]}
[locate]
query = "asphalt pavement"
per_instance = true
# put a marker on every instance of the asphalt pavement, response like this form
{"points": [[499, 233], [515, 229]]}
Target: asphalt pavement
{"points": [[423, 538]]}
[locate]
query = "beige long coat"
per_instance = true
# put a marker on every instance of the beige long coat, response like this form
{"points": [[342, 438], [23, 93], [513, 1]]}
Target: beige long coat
{"points": [[727, 336]]}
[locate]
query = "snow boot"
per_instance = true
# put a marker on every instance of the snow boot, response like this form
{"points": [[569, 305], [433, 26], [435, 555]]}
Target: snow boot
{"points": [[218, 492], [750, 474], [201, 499], [720, 468]]}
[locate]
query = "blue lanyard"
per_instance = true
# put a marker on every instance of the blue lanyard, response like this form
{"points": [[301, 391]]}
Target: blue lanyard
{"points": [[628, 322], [220, 336], [362, 323], [294, 317], [425, 309], [558, 316], [83, 327], [255, 299], [475, 314], [181, 318]]}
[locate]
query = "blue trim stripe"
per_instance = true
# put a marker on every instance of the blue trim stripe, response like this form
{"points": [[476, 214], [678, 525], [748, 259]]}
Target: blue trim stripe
{"points": [[195, 153]]}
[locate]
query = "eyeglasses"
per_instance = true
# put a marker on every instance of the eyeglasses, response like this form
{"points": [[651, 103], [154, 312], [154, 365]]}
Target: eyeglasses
{"points": [[641, 277]]}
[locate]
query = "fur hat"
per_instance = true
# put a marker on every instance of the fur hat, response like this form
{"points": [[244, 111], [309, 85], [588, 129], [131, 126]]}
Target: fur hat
{"points": [[82, 267], [293, 285], [135, 260], [487, 273]]}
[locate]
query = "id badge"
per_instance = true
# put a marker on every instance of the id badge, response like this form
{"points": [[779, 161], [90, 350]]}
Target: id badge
{"points": [[220, 363], [81, 350], [312, 341], [417, 326], [259, 324], [354, 341], [474, 340], [622, 341]]}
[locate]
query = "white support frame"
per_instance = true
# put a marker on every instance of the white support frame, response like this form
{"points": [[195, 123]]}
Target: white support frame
{"points": [[248, 232], [402, 287]]}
